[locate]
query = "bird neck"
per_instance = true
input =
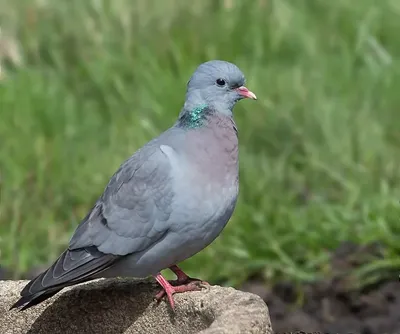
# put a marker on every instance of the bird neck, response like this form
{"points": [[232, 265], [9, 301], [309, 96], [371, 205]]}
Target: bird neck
{"points": [[197, 110], [195, 117]]}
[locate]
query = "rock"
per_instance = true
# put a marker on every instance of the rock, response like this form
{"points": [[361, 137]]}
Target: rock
{"points": [[127, 306]]}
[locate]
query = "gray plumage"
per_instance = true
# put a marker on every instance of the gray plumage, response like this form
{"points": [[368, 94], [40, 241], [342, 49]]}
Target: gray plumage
{"points": [[165, 203]]}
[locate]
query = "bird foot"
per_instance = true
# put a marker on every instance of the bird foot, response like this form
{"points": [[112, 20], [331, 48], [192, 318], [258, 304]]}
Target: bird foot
{"points": [[169, 290], [182, 284], [187, 281]]}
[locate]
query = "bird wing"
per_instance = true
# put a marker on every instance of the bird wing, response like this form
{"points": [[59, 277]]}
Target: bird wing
{"points": [[130, 216], [132, 213]]}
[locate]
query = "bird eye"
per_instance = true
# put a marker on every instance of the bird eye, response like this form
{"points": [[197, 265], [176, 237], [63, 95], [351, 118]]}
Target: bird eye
{"points": [[220, 82]]}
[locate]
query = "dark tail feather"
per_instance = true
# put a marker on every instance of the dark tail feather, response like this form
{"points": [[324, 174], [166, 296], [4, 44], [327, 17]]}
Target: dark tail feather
{"points": [[38, 297], [34, 299], [72, 267]]}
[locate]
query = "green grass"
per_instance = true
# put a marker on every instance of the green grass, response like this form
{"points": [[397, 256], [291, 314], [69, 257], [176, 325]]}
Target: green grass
{"points": [[320, 158]]}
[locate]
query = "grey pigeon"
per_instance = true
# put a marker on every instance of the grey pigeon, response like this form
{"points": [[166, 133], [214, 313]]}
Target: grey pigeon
{"points": [[164, 204]]}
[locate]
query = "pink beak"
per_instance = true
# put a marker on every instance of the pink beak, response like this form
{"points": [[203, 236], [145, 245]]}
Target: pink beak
{"points": [[246, 93]]}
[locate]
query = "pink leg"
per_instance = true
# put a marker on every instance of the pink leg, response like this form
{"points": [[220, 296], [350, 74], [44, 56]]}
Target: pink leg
{"points": [[182, 278], [180, 275], [169, 290]]}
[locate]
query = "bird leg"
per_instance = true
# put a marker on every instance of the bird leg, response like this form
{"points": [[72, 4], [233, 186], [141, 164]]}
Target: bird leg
{"points": [[183, 283], [182, 278]]}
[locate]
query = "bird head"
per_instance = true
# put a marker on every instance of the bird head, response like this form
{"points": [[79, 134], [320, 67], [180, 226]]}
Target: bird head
{"points": [[217, 84]]}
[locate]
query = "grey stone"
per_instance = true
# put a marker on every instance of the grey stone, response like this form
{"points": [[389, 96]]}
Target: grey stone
{"points": [[127, 306]]}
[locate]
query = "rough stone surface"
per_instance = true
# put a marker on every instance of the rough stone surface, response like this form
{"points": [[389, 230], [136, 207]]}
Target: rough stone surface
{"points": [[127, 306]]}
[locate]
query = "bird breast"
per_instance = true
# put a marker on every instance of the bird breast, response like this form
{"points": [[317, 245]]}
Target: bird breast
{"points": [[207, 176]]}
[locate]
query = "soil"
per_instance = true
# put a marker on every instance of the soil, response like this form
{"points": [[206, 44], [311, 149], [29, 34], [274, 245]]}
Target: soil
{"points": [[333, 305]]}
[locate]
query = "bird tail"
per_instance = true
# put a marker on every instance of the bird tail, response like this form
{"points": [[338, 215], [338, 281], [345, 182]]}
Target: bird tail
{"points": [[72, 267], [34, 299]]}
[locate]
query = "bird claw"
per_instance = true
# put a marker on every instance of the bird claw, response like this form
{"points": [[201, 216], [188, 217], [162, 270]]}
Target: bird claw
{"points": [[187, 280], [193, 285]]}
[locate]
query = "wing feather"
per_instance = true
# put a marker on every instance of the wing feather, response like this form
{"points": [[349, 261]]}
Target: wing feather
{"points": [[134, 208]]}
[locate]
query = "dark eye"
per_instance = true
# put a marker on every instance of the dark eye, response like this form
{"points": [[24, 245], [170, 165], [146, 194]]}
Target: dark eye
{"points": [[220, 82]]}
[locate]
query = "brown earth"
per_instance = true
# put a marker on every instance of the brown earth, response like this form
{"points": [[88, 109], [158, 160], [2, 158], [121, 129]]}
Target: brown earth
{"points": [[333, 305]]}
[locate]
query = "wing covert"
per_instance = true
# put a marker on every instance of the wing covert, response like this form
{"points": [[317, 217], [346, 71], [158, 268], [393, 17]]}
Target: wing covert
{"points": [[133, 211]]}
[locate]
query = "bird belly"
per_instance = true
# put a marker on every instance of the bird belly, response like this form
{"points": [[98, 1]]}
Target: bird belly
{"points": [[194, 224]]}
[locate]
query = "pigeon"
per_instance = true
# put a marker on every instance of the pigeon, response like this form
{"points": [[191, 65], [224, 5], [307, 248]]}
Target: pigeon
{"points": [[165, 203]]}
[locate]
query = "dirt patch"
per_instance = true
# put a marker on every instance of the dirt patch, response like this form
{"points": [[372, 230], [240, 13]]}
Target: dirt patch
{"points": [[334, 306]]}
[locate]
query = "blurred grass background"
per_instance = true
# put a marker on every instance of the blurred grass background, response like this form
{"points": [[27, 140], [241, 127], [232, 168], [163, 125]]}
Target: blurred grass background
{"points": [[86, 83]]}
